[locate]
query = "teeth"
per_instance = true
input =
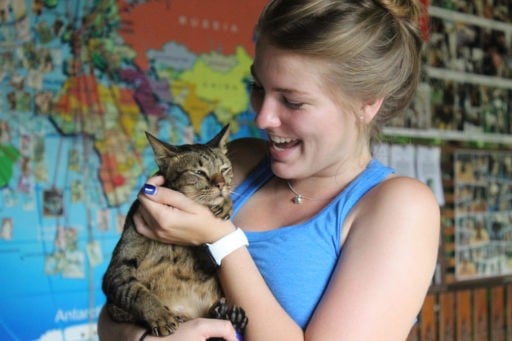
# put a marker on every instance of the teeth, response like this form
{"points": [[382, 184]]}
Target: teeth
{"points": [[278, 139]]}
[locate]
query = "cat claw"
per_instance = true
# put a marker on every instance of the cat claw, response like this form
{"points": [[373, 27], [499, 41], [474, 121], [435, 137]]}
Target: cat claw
{"points": [[221, 310], [238, 318], [166, 325], [162, 331]]}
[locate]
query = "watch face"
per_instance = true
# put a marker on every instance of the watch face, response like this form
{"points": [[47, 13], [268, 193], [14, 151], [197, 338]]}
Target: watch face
{"points": [[205, 260]]}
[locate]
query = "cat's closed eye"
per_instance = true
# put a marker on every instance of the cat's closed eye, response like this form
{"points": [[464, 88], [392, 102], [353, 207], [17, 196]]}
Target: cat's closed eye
{"points": [[225, 170], [201, 172]]}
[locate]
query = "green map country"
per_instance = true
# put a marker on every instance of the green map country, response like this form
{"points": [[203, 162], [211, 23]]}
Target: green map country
{"points": [[202, 26], [203, 89], [8, 157]]}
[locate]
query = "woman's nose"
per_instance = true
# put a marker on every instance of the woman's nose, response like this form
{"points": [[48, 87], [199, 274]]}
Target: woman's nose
{"points": [[267, 116]]}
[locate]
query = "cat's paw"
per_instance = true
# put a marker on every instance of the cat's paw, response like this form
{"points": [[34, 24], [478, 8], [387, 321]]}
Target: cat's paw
{"points": [[162, 323], [223, 211], [221, 310]]}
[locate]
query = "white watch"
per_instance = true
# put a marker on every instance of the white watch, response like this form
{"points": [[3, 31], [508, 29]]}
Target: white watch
{"points": [[227, 244]]}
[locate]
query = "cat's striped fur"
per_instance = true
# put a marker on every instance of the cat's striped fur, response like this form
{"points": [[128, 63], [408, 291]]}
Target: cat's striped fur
{"points": [[160, 285]]}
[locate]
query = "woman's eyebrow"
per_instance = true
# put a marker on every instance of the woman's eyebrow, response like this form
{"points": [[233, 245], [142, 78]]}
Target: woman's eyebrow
{"points": [[282, 90]]}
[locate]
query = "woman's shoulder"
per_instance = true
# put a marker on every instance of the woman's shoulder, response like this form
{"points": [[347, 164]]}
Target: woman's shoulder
{"points": [[397, 204], [245, 154], [402, 202], [403, 194]]}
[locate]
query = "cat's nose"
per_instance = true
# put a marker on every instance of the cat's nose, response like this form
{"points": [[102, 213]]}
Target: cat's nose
{"points": [[218, 180]]}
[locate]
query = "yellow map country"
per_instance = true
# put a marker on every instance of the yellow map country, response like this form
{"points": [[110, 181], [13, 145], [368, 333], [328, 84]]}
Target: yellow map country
{"points": [[208, 87]]}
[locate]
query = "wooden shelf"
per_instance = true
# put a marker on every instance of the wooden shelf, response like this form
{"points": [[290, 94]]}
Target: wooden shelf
{"points": [[446, 135]]}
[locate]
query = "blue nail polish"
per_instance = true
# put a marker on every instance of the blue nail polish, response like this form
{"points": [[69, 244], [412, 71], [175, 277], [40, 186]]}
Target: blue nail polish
{"points": [[239, 337], [149, 189]]}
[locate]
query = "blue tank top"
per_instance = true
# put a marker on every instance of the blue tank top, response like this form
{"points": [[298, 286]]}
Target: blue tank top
{"points": [[297, 261]]}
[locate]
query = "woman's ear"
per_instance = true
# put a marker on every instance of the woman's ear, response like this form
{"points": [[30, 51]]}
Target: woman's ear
{"points": [[369, 110]]}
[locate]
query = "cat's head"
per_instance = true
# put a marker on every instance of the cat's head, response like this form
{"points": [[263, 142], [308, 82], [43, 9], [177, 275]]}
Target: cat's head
{"points": [[201, 171]]}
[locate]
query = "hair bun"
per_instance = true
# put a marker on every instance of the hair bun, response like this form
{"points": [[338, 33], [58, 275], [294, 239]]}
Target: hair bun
{"points": [[403, 9]]}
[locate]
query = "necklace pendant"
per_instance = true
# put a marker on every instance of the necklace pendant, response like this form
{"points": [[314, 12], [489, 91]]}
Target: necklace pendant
{"points": [[297, 199]]}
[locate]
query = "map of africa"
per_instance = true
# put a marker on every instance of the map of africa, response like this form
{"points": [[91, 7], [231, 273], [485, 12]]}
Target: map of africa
{"points": [[80, 83]]}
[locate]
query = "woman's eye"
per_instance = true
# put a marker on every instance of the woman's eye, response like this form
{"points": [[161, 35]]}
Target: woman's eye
{"points": [[293, 105]]}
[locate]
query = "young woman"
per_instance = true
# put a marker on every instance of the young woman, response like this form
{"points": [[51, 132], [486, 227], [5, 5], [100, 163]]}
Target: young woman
{"points": [[340, 248]]}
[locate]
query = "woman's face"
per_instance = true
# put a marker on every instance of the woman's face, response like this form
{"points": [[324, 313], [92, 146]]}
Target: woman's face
{"points": [[310, 134]]}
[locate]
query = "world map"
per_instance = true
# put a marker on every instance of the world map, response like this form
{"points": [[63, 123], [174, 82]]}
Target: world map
{"points": [[80, 83]]}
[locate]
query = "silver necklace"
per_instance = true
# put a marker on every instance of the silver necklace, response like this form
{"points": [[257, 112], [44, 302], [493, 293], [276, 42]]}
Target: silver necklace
{"points": [[299, 198]]}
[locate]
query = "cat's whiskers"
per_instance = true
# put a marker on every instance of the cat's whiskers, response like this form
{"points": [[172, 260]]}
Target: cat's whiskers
{"points": [[234, 192]]}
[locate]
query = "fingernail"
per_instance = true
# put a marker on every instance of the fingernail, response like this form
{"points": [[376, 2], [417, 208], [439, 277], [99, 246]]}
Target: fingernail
{"points": [[238, 336], [149, 189]]}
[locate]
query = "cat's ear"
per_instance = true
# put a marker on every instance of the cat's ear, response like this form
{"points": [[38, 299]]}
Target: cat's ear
{"points": [[220, 140], [161, 150]]}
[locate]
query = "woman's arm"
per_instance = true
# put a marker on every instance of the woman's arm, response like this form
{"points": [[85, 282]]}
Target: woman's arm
{"points": [[385, 268], [243, 284]]}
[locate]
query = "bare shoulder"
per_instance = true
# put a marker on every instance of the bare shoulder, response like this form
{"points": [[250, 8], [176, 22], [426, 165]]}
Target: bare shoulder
{"points": [[404, 201], [402, 187], [409, 193], [245, 154], [400, 210]]}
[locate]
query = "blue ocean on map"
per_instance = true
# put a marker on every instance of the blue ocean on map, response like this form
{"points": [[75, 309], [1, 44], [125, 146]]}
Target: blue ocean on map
{"points": [[73, 110]]}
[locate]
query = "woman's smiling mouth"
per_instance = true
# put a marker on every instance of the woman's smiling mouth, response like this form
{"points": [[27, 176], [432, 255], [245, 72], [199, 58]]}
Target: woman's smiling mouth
{"points": [[279, 142]]}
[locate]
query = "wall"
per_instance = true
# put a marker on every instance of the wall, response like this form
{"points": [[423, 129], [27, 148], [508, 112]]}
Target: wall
{"points": [[80, 82]]}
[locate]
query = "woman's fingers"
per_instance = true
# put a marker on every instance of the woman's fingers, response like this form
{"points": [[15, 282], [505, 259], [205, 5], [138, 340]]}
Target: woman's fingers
{"points": [[153, 191], [152, 194], [205, 329], [157, 180], [142, 225], [171, 217]]}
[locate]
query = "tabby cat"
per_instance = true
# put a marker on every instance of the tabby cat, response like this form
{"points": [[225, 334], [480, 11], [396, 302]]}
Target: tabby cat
{"points": [[160, 285]]}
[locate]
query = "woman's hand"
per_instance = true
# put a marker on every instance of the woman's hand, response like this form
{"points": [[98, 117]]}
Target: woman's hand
{"points": [[170, 217], [199, 329]]}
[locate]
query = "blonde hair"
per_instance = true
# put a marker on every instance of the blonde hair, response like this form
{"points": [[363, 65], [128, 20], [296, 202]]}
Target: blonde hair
{"points": [[371, 48]]}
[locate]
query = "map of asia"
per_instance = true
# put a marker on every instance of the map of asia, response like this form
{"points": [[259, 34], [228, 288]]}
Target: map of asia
{"points": [[80, 83]]}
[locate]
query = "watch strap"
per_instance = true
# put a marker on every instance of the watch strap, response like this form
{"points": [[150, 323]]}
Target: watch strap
{"points": [[227, 244]]}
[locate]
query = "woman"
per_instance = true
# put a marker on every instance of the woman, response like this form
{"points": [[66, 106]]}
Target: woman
{"points": [[340, 248]]}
